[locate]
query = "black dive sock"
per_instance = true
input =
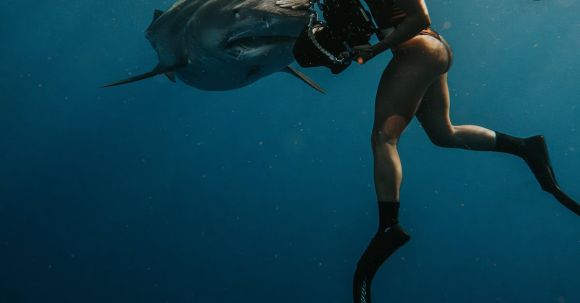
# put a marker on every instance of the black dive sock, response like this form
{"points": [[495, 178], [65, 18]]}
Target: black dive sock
{"points": [[388, 214], [508, 144], [389, 237]]}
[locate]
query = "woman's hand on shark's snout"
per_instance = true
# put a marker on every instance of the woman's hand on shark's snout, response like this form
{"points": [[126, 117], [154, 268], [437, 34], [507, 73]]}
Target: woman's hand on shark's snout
{"points": [[294, 4]]}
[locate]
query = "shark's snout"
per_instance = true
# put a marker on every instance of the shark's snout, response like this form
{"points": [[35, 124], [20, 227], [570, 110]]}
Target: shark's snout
{"points": [[261, 33]]}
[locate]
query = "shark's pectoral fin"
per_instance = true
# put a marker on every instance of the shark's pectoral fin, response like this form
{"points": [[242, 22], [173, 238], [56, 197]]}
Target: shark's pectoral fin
{"points": [[156, 71], [170, 76], [298, 74]]}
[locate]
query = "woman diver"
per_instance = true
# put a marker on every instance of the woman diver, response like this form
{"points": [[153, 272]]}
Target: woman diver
{"points": [[414, 84]]}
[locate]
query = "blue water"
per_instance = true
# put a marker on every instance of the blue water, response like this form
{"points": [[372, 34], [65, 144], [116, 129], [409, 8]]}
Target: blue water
{"points": [[160, 193]]}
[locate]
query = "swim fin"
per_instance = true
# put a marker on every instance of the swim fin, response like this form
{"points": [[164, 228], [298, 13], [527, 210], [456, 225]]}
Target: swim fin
{"points": [[537, 158], [566, 201], [381, 247]]}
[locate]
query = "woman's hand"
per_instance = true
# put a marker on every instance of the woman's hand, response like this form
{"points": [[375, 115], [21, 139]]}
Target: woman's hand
{"points": [[363, 53]]}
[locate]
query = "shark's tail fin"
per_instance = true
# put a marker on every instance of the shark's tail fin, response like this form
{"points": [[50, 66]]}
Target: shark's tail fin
{"points": [[156, 71]]}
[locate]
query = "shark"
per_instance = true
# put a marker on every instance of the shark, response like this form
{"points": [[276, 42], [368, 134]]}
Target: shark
{"points": [[219, 45]]}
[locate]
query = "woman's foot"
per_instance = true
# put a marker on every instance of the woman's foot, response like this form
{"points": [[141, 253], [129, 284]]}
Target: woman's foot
{"points": [[535, 152], [536, 156], [382, 245]]}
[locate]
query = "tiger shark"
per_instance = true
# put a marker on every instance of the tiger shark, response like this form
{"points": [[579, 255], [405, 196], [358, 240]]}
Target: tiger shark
{"points": [[226, 44]]}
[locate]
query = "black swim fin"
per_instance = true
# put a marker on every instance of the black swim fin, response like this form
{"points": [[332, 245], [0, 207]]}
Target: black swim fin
{"points": [[566, 201], [537, 158], [381, 247]]}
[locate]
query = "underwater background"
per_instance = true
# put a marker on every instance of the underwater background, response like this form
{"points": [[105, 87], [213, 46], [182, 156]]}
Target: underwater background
{"points": [[159, 192]]}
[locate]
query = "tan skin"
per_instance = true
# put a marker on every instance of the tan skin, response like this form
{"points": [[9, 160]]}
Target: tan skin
{"points": [[414, 84]]}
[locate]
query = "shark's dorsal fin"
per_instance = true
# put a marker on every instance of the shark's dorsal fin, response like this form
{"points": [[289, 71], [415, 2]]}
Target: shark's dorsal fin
{"points": [[156, 71], [298, 74], [156, 14]]}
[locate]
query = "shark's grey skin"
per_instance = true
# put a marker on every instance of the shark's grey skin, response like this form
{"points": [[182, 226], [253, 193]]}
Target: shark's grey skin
{"points": [[225, 44]]}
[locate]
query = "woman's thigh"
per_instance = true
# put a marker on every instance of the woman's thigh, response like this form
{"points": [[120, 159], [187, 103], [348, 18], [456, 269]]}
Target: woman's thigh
{"points": [[401, 89], [433, 113]]}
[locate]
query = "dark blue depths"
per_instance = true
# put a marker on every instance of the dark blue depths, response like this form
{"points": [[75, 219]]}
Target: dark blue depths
{"points": [[157, 192]]}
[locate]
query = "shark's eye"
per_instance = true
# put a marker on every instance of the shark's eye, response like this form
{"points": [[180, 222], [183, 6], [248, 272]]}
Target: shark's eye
{"points": [[237, 14]]}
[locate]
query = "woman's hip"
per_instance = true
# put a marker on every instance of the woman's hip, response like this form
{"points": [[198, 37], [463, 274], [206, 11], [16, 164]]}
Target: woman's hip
{"points": [[427, 46]]}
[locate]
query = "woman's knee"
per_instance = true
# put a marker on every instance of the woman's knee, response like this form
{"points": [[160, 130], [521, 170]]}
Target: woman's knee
{"points": [[444, 138], [387, 132], [381, 138]]}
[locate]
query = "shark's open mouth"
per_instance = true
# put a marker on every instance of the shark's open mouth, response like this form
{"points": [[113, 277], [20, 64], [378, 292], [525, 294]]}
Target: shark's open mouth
{"points": [[252, 43]]}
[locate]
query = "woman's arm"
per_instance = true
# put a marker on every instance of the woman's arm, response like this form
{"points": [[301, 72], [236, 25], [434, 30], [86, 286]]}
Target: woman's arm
{"points": [[416, 20]]}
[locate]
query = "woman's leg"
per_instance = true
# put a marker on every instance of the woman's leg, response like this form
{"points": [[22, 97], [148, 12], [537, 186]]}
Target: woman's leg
{"points": [[433, 114], [401, 88], [434, 117], [399, 95]]}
